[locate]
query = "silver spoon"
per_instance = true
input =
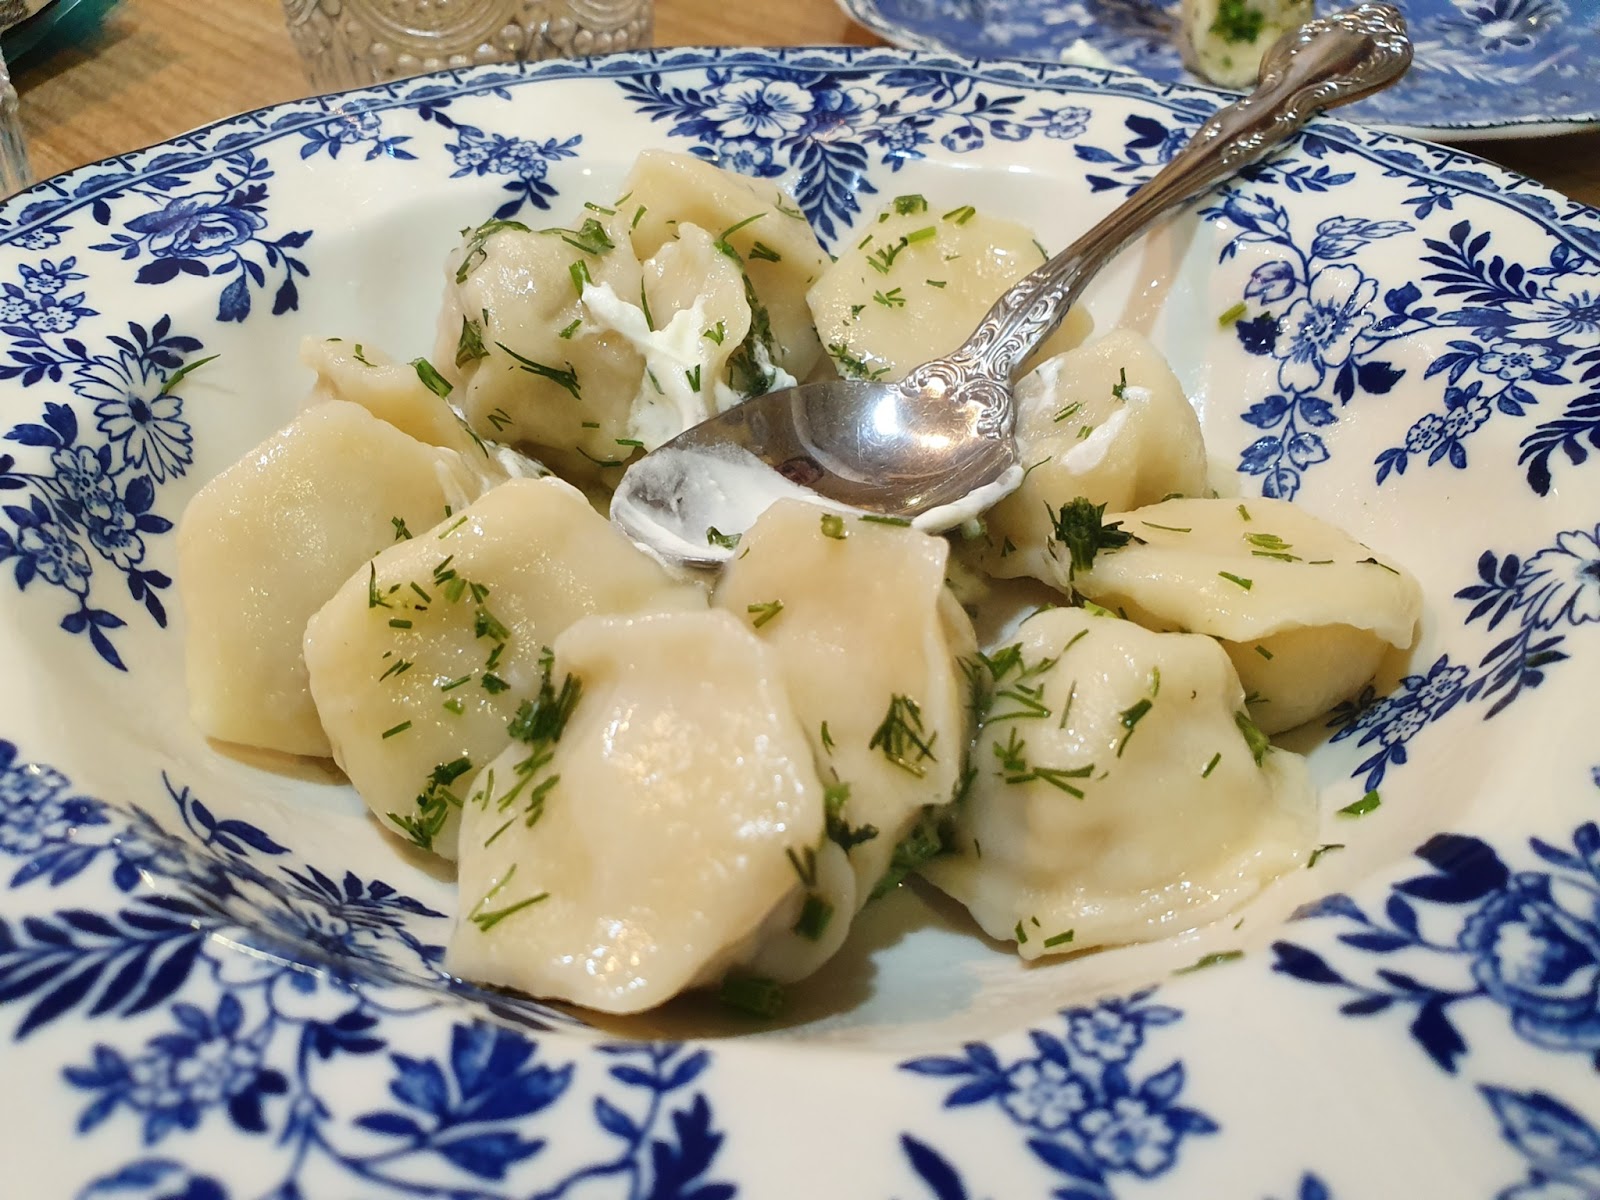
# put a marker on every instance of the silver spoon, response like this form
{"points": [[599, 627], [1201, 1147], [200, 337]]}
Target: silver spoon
{"points": [[938, 446]]}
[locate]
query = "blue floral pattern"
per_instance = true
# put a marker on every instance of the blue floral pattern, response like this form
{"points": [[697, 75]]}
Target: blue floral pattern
{"points": [[212, 228], [1479, 64], [1547, 595], [356, 125], [1075, 1098], [822, 131], [1561, 1146], [250, 1059], [93, 499], [1527, 940]]}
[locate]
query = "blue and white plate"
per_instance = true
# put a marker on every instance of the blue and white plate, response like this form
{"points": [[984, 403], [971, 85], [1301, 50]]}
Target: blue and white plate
{"points": [[220, 981], [1483, 68]]}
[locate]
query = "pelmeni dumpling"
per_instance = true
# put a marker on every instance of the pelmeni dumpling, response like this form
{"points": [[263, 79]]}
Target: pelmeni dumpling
{"points": [[394, 392], [643, 852], [913, 283], [771, 236], [421, 658], [1223, 41], [264, 544], [1303, 609], [531, 365], [1121, 794], [1107, 421], [866, 639], [692, 319]]}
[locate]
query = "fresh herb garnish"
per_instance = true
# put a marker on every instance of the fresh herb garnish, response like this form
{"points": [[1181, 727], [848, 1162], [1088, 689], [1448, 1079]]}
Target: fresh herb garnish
{"points": [[469, 346], [753, 995], [477, 243], [1253, 737], [846, 836], [1325, 848], [433, 804], [1079, 527], [431, 379], [1238, 22], [1362, 806], [1210, 960], [184, 372], [487, 920], [764, 612], [567, 378], [901, 737]]}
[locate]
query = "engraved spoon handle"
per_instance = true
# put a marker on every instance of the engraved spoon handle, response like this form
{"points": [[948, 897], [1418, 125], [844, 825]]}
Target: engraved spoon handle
{"points": [[1326, 62]]}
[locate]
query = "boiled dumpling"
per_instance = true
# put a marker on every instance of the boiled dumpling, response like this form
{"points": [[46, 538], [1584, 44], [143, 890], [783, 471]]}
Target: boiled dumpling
{"points": [[424, 654], [1303, 609], [913, 283], [1107, 421], [774, 243], [1121, 794], [407, 395], [692, 318], [263, 545], [1223, 40], [531, 365], [642, 833], [866, 640]]}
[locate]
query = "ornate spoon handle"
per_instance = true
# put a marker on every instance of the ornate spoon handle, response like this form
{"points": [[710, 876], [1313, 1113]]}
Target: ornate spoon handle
{"points": [[1326, 62]]}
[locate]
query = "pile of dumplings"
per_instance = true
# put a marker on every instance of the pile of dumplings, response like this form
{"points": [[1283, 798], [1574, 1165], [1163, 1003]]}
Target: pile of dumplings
{"points": [[650, 782]]}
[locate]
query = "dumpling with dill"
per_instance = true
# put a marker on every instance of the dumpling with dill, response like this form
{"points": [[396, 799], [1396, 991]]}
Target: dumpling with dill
{"points": [[525, 365], [759, 228], [653, 820], [1106, 422], [1304, 610], [421, 659], [1120, 792], [912, 280], [264, 544], [866, 636]]}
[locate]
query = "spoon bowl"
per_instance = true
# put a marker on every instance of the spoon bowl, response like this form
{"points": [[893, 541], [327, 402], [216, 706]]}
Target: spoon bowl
{"points": [[938, 446]]}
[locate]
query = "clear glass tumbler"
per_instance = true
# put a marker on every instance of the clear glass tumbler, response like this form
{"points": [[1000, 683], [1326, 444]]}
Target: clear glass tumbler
{"points": [[14, 171], [351, 43]]}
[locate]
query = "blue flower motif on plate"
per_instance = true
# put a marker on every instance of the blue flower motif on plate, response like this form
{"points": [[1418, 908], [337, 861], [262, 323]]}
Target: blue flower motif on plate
{"points": [[1321, 318], [1549, 594], [1526, 940], [354, 125], [1313, 312], [822, 130], [1075, 1099], [1562, 1148], [213, 227], [1527, 324], [944, 1182], [476, 152], [251, 1035], [94, 498]]}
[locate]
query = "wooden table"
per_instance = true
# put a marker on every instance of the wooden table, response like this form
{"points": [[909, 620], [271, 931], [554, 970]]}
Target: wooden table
{"points": [[160, 67]]}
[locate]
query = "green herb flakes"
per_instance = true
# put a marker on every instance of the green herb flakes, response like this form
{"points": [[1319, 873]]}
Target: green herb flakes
{"points": [[1363, 806]]}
